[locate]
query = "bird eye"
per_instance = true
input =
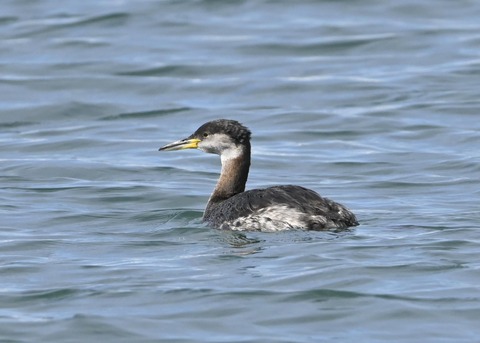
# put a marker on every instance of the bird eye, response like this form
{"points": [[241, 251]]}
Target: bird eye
{"points": [[205, 134]]}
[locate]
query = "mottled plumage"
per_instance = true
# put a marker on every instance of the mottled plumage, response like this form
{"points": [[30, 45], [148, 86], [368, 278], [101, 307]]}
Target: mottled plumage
{"points": [[279, 208], [271, 209]]}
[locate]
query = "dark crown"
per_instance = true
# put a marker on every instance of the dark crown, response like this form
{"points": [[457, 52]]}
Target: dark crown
{"points": [[232, 128]]}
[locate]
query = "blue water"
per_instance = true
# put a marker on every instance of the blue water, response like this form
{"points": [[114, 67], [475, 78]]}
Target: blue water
{"points": [[373, 104]]}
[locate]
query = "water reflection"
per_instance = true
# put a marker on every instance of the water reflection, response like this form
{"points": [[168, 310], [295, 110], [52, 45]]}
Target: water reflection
{"points": [[240, 243]]}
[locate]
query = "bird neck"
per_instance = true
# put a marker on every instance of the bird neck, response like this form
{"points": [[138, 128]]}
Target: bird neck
{"points": [[234, 174]]}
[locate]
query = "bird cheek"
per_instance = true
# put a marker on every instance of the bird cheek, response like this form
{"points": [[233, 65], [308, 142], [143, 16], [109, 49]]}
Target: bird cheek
{"points": [[205, 147]]}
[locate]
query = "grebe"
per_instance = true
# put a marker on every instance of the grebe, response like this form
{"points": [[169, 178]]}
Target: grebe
{"points": [[274, 208]]}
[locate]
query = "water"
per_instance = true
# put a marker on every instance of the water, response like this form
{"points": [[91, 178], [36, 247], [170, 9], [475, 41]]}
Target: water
{"points": [[374, 104]]}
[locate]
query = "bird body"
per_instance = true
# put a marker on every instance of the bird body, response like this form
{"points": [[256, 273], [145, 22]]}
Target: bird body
{"points": [[275, 208], [278, 208]]}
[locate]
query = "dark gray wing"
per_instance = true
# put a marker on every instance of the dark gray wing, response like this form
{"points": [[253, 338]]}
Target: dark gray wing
{"points": [[304, 200]]}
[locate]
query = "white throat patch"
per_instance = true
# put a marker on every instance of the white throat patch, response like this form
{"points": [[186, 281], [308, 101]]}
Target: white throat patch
{"points": [[231, 154]]}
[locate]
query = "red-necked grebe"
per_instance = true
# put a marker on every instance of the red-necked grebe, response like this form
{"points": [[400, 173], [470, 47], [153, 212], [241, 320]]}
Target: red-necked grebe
{"points": [[274, 208]]}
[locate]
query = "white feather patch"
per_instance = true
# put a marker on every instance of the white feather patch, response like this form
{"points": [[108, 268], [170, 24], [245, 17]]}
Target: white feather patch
{"points": [[270, 219]]}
